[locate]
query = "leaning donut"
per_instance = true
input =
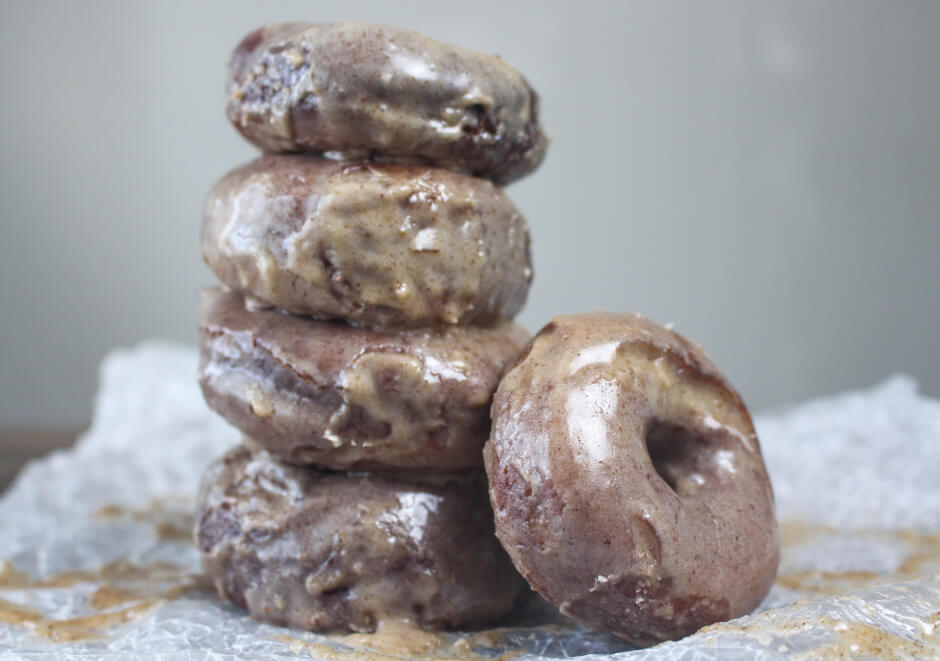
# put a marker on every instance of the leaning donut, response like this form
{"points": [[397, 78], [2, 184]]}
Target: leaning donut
{"points": [[627, 480]]}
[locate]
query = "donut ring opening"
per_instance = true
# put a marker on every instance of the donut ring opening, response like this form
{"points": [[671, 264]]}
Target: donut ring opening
{"points": [[684, 458]]}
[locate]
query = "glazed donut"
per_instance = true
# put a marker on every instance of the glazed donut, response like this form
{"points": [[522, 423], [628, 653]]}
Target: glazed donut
{"points": [[357, 90], [627, 480], [342, 552], [317, 392], [376, 245]]}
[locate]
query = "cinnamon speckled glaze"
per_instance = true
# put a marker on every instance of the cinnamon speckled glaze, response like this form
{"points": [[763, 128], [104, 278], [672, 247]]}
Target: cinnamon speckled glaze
{"points": [[324, 393], [343, 552], [383, 246], [627, 480], [359, 90]]}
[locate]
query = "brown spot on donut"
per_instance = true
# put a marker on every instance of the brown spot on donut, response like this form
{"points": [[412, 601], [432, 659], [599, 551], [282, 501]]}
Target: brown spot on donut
{"points": [[358, 425], [646, 543], [547, 329], [216, 526], [250, 42], [509, 490], [480, 123], [237, 583]]}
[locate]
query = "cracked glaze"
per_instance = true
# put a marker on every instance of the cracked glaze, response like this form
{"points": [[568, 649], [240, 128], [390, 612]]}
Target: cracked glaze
{"points": [[318, 392], [376, 245], [358, 90], [627, 480], [345, 552]]}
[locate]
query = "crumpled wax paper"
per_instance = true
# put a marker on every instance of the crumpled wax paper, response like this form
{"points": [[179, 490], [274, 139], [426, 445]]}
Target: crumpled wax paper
{"points": [[96, 559]]}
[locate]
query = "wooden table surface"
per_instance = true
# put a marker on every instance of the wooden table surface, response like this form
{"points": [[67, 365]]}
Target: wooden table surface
{"points": [[19, 445]]}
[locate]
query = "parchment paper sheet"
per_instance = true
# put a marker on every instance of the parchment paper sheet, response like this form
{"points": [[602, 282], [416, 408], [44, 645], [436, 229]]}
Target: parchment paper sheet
{"points": [[101, 533]]}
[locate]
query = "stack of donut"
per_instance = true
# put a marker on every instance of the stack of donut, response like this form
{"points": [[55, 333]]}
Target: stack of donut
{"points": [[370, 280]]}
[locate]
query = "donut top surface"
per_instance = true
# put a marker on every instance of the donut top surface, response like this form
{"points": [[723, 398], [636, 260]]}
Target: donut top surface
{"points": [[359, 90], [627, 480], [319, 351]]}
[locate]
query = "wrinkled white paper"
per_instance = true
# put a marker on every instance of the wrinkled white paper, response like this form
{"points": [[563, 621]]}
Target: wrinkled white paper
{"points": [[857, 480]]}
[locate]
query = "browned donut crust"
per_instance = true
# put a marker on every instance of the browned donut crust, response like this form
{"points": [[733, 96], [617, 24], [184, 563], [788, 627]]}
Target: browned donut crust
{"points": [[627, 480], [335, 551], [376, 245], [358, 90], [316, 392]]}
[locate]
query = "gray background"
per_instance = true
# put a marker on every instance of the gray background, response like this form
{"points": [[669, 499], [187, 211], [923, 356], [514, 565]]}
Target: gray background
{"points": [[765, 175]]}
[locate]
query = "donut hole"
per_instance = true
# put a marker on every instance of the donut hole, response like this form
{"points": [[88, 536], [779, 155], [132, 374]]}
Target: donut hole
{"points": [[678, 455]]}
